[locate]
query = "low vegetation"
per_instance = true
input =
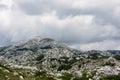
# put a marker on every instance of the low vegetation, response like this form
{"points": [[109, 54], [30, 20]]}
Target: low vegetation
{"points": [[111, 77]]}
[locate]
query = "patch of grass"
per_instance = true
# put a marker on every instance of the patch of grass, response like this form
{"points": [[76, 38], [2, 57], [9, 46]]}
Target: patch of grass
{"points": [[111, 77], [66, 76]]}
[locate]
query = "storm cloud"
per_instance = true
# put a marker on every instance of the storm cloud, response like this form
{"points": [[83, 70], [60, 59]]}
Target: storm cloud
{"points": [[82, 24]]}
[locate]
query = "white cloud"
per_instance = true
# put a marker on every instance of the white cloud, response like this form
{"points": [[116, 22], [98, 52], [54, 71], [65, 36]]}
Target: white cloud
{"points": [[83, 24], [88, 4]]}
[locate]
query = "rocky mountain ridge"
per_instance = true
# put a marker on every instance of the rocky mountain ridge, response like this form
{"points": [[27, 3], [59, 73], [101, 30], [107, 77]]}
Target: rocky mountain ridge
{"points": [[54, 57]]}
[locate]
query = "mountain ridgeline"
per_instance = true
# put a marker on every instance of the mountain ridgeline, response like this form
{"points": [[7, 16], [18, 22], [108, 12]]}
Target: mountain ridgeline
{"points": [[28, 51], [48, 59]]}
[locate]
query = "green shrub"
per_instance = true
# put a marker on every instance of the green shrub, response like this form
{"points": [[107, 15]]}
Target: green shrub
{"points": [[40, 73], [109, 64], [64, 67], [44, 78], [94, 56], [111, 77], [40, 57], [66, 76], [117, 57]]}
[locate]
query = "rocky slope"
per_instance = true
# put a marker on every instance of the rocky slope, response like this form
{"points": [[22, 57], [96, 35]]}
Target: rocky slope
{"points": [[26, 52], [57, 61]]}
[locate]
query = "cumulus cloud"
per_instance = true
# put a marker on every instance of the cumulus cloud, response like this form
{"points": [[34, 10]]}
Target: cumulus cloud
{"points": [[83, 24]]}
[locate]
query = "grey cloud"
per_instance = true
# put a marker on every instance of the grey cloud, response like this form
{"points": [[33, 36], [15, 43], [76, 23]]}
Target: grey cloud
{"points": [[2, 7], [103, 13], [70, 36], [35, 7], [61, 21], [45, 6]]}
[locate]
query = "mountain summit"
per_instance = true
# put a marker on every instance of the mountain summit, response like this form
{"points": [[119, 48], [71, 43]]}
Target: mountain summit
{"points": [[41, 43], [27, 51]]}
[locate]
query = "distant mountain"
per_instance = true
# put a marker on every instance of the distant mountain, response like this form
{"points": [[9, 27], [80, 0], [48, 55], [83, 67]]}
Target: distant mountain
{"points": [[114, 51]]}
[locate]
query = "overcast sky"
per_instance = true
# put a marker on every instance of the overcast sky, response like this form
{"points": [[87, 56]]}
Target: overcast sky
{"points": [[82, 24]]}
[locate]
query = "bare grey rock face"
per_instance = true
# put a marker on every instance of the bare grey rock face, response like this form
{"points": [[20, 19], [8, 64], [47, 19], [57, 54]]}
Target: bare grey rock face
{"points": [[55, 57], [26, 52]]}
